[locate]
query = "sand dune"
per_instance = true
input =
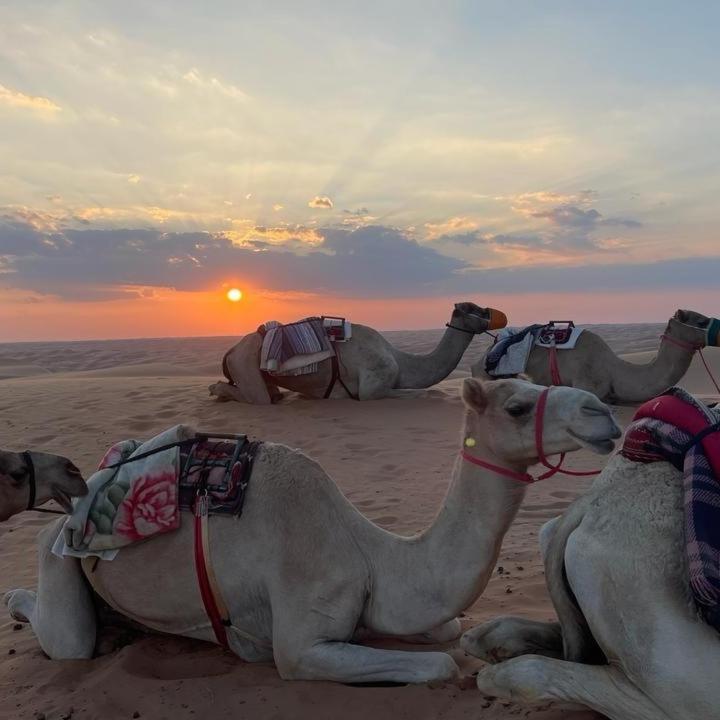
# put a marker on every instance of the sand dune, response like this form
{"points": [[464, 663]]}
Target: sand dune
{"points": [[391, 457]]}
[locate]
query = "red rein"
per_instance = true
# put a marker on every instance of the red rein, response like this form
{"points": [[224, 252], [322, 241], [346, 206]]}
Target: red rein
{"points": [[527, 477]]}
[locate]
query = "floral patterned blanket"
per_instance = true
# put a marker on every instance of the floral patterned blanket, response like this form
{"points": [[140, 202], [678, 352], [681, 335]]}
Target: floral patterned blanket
{"points": [[128, 503]]}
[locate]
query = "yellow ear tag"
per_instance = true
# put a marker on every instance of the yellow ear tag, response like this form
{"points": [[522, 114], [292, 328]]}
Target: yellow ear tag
{"points": [[469, 442]]}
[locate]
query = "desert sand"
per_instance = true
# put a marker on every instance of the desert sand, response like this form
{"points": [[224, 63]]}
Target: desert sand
{"points": [[391, 457]]}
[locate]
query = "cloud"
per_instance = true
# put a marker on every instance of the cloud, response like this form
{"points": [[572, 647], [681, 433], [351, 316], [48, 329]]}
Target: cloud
{"points": [[371, 261], [575, 217], [277, 207], [360, 212], [17, 99], [195, 78], [450, 227], [321, 201], [97, 264], [133, 179]]}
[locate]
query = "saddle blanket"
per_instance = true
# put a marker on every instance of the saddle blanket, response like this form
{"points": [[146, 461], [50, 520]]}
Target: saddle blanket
{"points": [[510, 353], [295, 348], [678, 429], [143, 498]]}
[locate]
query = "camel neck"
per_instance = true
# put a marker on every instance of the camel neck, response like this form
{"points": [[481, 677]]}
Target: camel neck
{"points": [[426, 580], [420, 371], [637, 382]]}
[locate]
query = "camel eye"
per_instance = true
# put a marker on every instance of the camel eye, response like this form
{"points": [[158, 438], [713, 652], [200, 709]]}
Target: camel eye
{"points": [[518, 409]]}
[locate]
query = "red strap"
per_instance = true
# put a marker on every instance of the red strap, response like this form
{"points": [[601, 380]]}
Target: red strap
{"points": [[539, 418], [522, 477], [554, 368], [206, 593]]}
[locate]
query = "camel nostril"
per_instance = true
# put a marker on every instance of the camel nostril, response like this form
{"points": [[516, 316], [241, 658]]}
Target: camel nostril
{"points": [[72, 469]]}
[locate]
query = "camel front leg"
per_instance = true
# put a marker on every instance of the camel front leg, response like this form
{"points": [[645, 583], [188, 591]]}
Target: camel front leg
{"points": [[62, 614], [346, 663], [534, 679], [504, 638], [447, 632]]}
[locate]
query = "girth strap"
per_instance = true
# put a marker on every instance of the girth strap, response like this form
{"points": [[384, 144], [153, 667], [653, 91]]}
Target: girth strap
{"points": [[336, 378], [210, 591]]}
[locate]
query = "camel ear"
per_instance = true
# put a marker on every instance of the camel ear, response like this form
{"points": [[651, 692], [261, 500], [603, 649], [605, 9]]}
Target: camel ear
{"points": [[474, 395]]}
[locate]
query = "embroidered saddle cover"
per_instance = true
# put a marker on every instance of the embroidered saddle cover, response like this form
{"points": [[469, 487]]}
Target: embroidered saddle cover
{"points": [[678, 429]]}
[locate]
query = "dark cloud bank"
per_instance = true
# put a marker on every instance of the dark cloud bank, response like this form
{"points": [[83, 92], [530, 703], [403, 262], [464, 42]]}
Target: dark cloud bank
{"points": [[92, 264]]}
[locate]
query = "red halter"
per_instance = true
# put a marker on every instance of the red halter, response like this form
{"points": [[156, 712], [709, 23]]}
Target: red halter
{"points": [[693, 348], [527, 477]]}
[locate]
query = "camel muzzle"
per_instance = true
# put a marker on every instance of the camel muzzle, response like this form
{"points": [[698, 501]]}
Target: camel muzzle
{"points": [[713, 333], [498, 319]]}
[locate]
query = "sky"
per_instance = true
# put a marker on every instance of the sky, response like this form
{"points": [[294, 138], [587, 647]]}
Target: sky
{"points": [[380, 160]]}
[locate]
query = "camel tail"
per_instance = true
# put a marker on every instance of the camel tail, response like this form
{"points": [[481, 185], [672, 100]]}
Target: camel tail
{"points": [[226, 370], [579, 645]]}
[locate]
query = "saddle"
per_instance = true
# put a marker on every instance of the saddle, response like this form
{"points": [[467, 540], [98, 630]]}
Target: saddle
{"points": [[219, 467], [556, 332]]}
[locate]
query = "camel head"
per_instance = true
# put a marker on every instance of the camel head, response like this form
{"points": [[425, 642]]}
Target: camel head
{"points": [[472, 318], [501, 419], [694, 328], [56, 478]]}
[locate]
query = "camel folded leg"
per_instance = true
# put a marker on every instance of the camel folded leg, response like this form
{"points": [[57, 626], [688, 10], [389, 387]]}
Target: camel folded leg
{"points": [[504, 638], [346, 663], [447, 632], [603, 688], [62, 614]]}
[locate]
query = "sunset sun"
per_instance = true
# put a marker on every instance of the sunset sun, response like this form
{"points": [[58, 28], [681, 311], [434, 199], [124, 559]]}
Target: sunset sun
{"points": [[234, 295]]}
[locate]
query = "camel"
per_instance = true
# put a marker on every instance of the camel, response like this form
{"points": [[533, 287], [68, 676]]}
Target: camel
{"points": [[369, 366], [616, 570], [28, 480], [303, 572], [591, 365]]}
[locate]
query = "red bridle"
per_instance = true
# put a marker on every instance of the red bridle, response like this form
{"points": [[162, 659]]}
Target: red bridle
{"points": [[527, 477], [692, 348]]}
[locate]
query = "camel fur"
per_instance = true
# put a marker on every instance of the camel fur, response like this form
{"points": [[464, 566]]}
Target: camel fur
{"points": [[630, 643], [304, 573], [591, 365], [56, 478], [370, 367]]}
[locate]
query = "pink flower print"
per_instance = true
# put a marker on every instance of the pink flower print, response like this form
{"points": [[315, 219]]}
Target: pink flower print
{"points": [[113, 455], [149, 508]]}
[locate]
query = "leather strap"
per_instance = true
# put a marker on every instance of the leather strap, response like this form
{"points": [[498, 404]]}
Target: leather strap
{"points": [[210, 592]]}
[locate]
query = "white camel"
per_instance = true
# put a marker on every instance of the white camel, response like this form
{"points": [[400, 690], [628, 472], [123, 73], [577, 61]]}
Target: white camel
{"points": [[302, 570], [28, 480], [591, 365], [369, 366], [629, 643]]}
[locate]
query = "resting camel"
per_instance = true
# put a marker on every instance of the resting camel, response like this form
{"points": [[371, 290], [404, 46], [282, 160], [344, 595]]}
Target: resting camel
{"points": [[591, 365], [302, 570], [369, 366], [31, 479], [617, 573]]}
